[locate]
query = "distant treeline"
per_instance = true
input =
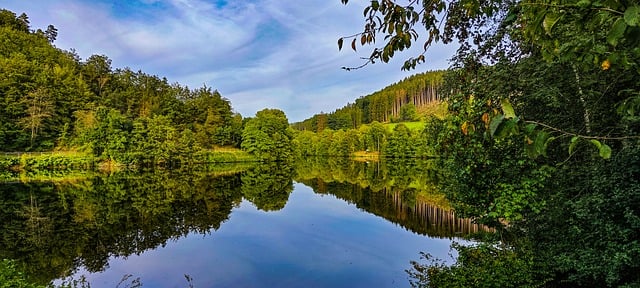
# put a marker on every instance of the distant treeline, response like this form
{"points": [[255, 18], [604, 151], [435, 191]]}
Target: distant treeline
{"points": [[376, 138], [394, 103]]}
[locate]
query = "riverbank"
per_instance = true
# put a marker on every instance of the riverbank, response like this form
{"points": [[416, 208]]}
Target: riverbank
{"points": [[29, 161]]}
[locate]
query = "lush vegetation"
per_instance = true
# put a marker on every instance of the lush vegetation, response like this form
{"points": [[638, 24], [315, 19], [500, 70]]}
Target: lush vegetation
{"points": [[396, 140], [53, 100], [399, 102], [542, 138]]}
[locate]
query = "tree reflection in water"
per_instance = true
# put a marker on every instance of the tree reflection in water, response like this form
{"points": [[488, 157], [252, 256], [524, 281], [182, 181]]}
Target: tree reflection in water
{"points": [[53, 228]]}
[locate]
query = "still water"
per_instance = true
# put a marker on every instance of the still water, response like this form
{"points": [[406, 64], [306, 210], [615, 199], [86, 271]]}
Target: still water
{"points": [[312, 224]]}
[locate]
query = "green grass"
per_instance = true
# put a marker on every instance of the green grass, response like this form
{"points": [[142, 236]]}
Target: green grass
{"points": [[415, 127]]}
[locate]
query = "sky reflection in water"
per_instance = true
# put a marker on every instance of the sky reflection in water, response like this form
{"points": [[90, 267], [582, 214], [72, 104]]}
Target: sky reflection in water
{"points": [[315, 241]]}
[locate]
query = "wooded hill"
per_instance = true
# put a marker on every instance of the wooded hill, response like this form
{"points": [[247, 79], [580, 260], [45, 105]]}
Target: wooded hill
{"points": [[394, 103], [50, 98]]}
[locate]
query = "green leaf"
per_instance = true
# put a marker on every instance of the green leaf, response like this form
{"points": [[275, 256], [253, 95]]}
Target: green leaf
{"points": [[530, 149], [632, 16], [507, 109], [529, 128], [549, 21], [540, 143], [605, 151], [495, 122], [583, 3], [616, 32], [572, 145], [506, 128]]}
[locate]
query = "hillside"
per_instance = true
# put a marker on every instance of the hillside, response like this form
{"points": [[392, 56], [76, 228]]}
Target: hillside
{"points": [[396, 102], [51, 99]]}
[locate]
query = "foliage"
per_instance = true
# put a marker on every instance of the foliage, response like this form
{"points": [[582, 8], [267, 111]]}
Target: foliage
{"points": [[542, 102], [51, 98], [392, 103], [484, 265], [268, 136], [10, 277]]}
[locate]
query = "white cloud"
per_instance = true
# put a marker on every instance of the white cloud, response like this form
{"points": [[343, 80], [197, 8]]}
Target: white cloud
{"points": [[259, 54]]}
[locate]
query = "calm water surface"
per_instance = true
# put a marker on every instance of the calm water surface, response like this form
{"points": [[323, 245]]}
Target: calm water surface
{"points": [[314, 241], [265, 226]]}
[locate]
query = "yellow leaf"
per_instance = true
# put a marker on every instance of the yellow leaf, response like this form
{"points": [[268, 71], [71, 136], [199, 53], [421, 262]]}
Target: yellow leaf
{"points": [[464, 128], [485, 118]]}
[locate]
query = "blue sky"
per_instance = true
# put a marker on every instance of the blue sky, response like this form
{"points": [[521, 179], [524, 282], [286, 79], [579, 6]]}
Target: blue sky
{"points": [[257, 53]]}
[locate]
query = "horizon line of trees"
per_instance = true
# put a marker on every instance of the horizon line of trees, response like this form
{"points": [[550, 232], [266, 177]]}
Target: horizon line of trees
{"points": [[393, 103], [52, 99], [399, 142]]}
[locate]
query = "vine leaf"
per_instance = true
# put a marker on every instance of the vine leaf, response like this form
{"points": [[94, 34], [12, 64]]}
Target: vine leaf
{"points": [[632, 16], [507, 109], [573, 144], [549, 21], [495, 122], [616, 32], [603, 149]]}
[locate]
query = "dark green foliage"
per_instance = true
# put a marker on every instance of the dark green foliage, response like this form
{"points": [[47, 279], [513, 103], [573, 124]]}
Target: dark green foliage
{"points": [[11, 277], [268, 136], [597, 210], [484, 265], [541, 136], [51, 98]]}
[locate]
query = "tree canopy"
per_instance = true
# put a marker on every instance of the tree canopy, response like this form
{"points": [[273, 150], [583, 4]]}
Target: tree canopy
{"points": [[543, 98], [52, 99]]}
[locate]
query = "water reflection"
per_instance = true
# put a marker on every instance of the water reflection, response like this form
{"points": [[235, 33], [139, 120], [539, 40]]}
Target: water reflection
{"points": [[402, 192], [52, 228]]}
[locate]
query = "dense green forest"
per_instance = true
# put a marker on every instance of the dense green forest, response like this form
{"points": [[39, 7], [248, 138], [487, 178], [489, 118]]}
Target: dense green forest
{"points": [[397, 141], [542, 136], [52, 99], [395, 103], [541, 139]]}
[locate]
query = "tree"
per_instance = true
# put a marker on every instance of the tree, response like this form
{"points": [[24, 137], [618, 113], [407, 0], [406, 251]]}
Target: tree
{"points": [[268, 136], [376, 136], [408, 113], [533, 86], [399, 144], [39, 108]]}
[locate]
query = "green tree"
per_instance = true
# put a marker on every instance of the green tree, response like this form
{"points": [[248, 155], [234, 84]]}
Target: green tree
{"points": [[268, 136], [399, 144], [39, 108], [408, 112], [376, 136], [540, 93]]}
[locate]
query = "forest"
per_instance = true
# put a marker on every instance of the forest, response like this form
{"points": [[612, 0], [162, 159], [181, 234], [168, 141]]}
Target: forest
{"points": [[399, 102], [51, 100], [540, 139]]}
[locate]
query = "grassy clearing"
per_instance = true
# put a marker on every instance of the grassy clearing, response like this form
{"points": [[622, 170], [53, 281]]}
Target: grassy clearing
{"points": [[436, 109], [436, 199], [415, 127]]}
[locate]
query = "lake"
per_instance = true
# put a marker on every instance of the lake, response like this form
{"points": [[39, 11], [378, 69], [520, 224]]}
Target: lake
{"points": [[317, 223]]}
